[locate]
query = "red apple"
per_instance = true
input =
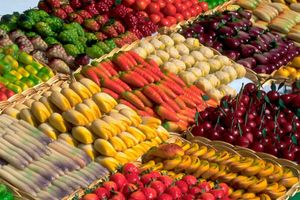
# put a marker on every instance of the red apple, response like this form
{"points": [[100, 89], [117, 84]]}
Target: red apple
{"points": [[179, 17], [169, 10], [153, 8], [155, 18]]}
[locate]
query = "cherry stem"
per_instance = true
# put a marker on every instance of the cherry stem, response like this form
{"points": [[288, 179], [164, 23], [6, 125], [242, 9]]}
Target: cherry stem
{"points": [[218, 121], [240, 129], [239, 95], [276, 117]]}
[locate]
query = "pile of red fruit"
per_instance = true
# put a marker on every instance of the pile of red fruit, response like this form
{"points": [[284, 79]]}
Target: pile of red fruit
{"points": [[132, 185], [168, 12], [106, 19], [5, 93], [265, 122]]}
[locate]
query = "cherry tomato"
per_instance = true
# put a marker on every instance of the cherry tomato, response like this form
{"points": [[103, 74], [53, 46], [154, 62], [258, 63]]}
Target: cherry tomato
{"points": [[161, 15], [169, 1], [161, 3], [179, 17], [153, 8], [169, 10], [188, 4], [198, 9], [180, 7], [141, 4], [177, 2], [204, 6], [194, 2], [193, 12], [165, 22], [172, 20], [186, 14], [155, 18]]}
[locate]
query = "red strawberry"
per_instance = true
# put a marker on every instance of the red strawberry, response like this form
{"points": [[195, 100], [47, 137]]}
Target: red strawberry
{"points": [[119, 27], [84, 14], [92, 9], [100, 36], [166, 180], [149, 193], [147, 178], [110, 3], [130, 168], [119, 12], [194, 191], [102, 193], [138, 195], [137, 32], [117, 196], [188, 197], [75, 4], [128, 188], [54, 3], [204, 186], [110, 31], [119, 179], [87, 2], [43, 5], [182, 185], [102, 7], [174, 191], [190, 180], [67, 8], [132, 178], [165, 196], [158, 186], [59, 12], [110, 185], [73, 17], [131, 20], [102, 19], [155, 174], [91, 25]]}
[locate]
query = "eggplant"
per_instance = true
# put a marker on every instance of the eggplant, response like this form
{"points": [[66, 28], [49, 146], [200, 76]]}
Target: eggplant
{"points": [[217, 45], [262, 69], [245, 37], [233, 55], [247, 50], [271, 57], [244, 14], [214, 25], [197, 28], [255, 31], [251, 62], [227, 31], [245, 63], [232, 43], [261, 59]]}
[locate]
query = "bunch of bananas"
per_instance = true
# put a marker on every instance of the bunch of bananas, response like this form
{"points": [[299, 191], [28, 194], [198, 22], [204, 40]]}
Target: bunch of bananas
{"points": [[251, 176]]}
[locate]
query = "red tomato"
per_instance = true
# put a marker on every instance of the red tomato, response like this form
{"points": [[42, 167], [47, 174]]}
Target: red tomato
{"points": [[169, 10], [119, 179], [204, 186], [161, 15], [110, 185], [186, 14], [161, 3], [102, 193], [218, 193], [165, 22], [150, 193], [117, 196], [144, 14], [193, 12], [204, 6], [207, 196], [153, 8], [179, 17], [198, 9], [128, 188], [155, 18], [194, 2], [90, 197], [128, 3], [165, 196], [3, 97], [169, 1], [172, 20], [158, 186], [141, 4], [188, 4], [224, 187], [177, 2]]}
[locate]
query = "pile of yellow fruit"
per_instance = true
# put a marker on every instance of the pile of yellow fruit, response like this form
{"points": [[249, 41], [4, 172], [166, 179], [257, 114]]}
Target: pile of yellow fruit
{"points": [[291, 71]]}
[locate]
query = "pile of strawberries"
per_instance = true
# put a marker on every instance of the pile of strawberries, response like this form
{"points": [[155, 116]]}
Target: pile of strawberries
{"points": [[105, 18], [132, 185]]}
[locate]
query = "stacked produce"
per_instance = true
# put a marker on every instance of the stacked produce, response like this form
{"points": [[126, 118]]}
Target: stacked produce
{"points": [[141, 85], [132, 184], [214, 3], [19, 71], [5, 193], [290, 71], [80, 114], [195, 64], [248, 177], [103, 19], [25, 156], [264, 122], [277, 16], [232, 33]]}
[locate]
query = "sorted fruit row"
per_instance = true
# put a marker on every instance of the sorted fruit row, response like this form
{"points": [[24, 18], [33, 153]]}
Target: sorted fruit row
{"points": [[140, 84], [265, 122], [290, 71], [80, 114], [232, 33], [25, 156], [103, 19], [19, 71], [195, 64], [247, 177], [276, 16], [131, 183]]}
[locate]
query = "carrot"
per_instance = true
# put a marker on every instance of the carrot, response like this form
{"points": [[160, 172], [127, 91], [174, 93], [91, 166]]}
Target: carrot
{"points": [[91, 74], [109, 68], [193, 98], [100, 73], [160, 92], [122, 62], [130, 58], [152, 94], [180, 103], [171, 126], [185, 118], [196, 90], [103, 69], [172, 86], [144, 74], [183, 125], [144, 99], [137, 57], [150, 111], [121, 83], [153, 66], [152, 63], [134, 100], [188, 102], [111, 93], [166, 114], [176, 79], [153, 75], [187, 113], [132, 79], [168, 106], [143, 113], [122, 101], [173, 104], [168, 91], [112, 85], [201, 107], [212, 103]]}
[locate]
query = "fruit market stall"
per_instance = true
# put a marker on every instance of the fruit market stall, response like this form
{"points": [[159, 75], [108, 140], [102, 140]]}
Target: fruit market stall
{"points": [[162, 99]]}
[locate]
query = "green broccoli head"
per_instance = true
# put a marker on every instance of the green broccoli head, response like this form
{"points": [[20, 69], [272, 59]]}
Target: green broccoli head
{"points": [[94, 51], [71, 49]]}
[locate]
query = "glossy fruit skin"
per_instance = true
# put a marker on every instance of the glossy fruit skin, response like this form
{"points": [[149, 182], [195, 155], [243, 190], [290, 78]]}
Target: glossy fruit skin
{"points": [[169, 10], [153, 8], [155, 18]]}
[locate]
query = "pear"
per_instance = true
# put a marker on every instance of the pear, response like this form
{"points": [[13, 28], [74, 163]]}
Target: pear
{"points": [[147, 46], [170, 67], [167, 40], [163, 55]]}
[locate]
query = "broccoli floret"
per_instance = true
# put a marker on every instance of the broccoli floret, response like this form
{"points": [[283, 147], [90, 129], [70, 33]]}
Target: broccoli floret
{"points": [[94, 51], [51, 41], [75, 26], [71, 49], [55, 23]]}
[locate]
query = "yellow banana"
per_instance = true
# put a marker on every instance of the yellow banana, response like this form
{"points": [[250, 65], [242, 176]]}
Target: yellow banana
{"points": [[147, 166], [148, 132], [58, 122], [289, 182], [276, 175], [265, 197], [138, 149], [213, 169], [221, 156], [72, 96], [136, 133], [48, 130], [132, 115], [179, 176], [194, 165], [120, 117], [186, 146], [104, 101], [92, 105], [40, 111], [128, 139], [89, 150], [68, 139], [249, 196], [242, 164], [157, 141], [178, 142], [26, 115], [172, 163], [157, 167], [259, 186], [104, 147], [50, 106], [223, 170], [102, 129], [287, 173], [210, 153], [201, 151], [145, 146], [60, 101], [82, 135], [268, 170], [231, 159], [75, 117], [151, 122], [108, 162], [122, 158], [193, 148], [276, 193], [162, 133], [81, 90], [228, 177], [256, 166], [237, 194], [204, 166], [90, 85], [244, 181], [118, 143], [86, 111], [130, 152], [114, 123]]}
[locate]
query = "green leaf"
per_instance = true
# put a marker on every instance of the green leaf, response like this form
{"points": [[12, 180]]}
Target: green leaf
{"points": [[298, 84], [281, 85], [196, 118], [264, 132], [273, 86], [225, 104], [267, 99], [281, 103], [294, 139], [240, 129], [294, 126], [118, 2], [298, 112], [205, 97], [259, 93]]}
